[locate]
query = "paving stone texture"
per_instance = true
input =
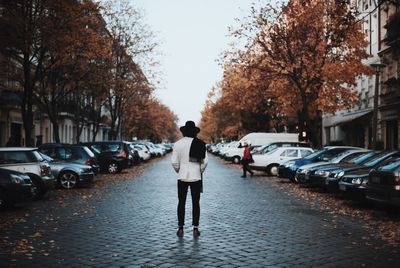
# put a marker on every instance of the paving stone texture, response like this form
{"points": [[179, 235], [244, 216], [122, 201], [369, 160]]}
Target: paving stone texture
{"points": [[244, 223]]}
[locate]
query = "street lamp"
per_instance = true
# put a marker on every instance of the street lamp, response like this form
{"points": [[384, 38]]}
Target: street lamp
{"points": [[378, 67]]}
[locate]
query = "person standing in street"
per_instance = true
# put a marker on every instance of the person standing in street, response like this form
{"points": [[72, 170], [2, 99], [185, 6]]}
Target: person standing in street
{"points": [[189, 160], [247, 159]]}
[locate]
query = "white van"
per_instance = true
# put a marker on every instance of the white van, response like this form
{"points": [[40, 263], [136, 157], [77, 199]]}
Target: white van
{"points": [[258, 139]]}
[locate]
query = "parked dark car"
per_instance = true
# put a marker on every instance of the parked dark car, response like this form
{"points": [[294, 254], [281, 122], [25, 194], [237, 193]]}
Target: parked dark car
{"points": [[317, 176], [71, 153], [15, 187], [302, 173], [289, 168], [112, 156], [384, 183], [70, 175], [354, 183], [331, 176]]}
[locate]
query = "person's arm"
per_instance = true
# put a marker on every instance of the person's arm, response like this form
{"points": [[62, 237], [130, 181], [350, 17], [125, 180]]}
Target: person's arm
{"points": [[204, 163], [175, 160]]}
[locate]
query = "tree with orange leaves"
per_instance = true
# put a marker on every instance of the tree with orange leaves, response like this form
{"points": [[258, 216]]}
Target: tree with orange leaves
{"points": [[153, 121], [311, 52]]}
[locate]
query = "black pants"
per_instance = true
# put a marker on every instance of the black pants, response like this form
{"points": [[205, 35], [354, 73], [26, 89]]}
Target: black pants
{"points": [[195, 188], [245, 166]]}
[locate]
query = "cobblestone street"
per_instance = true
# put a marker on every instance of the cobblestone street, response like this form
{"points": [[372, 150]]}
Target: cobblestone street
{"points": [[244, 223]]}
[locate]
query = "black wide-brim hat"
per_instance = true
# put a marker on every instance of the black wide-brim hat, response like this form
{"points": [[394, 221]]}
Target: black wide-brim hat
{"points": [[190, 126]]}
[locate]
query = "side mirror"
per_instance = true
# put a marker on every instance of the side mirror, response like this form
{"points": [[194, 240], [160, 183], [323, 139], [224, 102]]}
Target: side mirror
{"points": [[240, 145]]}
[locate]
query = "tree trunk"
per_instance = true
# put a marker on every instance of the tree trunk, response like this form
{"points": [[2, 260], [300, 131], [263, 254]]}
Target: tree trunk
{"points": [[27, 99], [56, 132]]}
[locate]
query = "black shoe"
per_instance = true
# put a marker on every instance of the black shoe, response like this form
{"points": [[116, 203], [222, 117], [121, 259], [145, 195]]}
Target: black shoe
{"points": [[244, 176], [196, 232], [179, 232]]}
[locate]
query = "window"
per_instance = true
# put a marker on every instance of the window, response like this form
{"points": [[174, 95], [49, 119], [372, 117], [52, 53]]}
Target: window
{"points": [[304, 153], [291, 153], [14, 157], [391, 165]]}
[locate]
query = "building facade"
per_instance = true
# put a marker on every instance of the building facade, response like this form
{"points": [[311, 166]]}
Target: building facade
{"points": [[354, 126]]}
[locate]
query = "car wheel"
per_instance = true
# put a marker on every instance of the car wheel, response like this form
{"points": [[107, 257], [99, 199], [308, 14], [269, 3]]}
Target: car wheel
{"points": [[236, 160], [68, 180], [38, 189], [3, 201], [272, 170], [113, 168]]}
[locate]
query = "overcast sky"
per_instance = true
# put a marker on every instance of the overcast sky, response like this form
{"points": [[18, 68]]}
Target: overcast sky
{"points": [[193, 34]]}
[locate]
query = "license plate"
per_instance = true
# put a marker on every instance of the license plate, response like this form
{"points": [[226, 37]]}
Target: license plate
{"points": [[342, 187], [375, 180]]}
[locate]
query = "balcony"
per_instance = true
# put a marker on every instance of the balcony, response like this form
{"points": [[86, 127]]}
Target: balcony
{"points": [[390, 91], [392, 37]]}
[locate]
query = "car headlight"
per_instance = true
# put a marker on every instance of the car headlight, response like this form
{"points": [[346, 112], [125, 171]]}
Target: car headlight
{"points": [[322, 173], [17, 179], [357, 181]]}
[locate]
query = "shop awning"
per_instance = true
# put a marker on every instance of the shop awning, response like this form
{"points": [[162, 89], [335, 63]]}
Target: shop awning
{"points": [[346, 118]]}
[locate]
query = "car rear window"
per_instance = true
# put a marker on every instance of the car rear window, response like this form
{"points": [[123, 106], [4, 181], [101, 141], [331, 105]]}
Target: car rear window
{"points": [[110, 147], [88, 151]]}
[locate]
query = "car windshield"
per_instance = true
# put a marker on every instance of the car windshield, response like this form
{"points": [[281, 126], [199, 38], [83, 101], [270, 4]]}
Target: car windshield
{"points": [[259, 150], [88, 151], [376, 159], [393, 164], [46, 157], [339, 157], [37, 156], [315, 154], [362, 158], [271, 152]]}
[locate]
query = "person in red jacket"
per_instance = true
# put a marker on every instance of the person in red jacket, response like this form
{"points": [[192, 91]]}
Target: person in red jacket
{"points": [[246, 159]]}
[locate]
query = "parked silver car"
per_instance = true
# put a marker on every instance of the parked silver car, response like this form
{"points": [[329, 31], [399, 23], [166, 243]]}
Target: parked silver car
{"points": [[28, 161], [69, 175]]}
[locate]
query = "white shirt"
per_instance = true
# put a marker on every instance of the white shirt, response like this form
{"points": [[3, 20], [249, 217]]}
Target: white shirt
{"points": [[187, 171]]}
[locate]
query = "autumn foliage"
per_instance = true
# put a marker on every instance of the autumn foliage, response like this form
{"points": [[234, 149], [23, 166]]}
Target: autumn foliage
{"points": [[79, 57], [301, 60]]}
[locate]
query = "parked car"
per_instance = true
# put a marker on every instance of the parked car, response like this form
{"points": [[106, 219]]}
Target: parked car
{"points": [[269, 147], [134, 157], [288, 169], [71, 153], [168, 147], [112, 156], [270, 161], [384, 183], [28, 161], [345, 157], [15, 187], [328, 177], [354, 183], [70, 175], [257, 139], [143, 151]]}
